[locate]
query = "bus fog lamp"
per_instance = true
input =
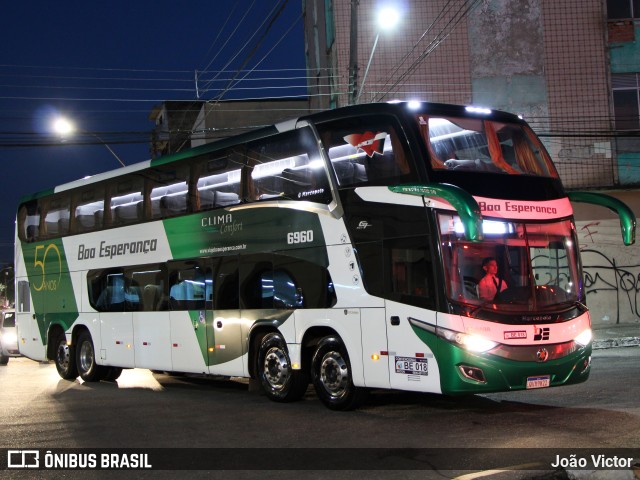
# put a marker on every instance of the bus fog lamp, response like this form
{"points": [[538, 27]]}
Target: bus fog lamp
{"points": [[472, 373]]}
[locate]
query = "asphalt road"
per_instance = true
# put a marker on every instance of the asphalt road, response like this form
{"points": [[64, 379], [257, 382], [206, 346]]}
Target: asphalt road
{"points": [[144, 410]]}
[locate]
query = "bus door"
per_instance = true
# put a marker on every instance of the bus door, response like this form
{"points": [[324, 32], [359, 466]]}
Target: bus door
{"points": [[410, 294], [225, 335], [150, 318], [190, 294], [108, 292]]}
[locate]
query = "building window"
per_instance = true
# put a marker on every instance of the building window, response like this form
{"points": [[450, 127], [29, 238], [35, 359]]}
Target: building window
{"points": [[626, 101], [623, 9]]}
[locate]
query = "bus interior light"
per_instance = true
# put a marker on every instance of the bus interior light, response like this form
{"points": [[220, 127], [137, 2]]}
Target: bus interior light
{"points": [[489, 227]]}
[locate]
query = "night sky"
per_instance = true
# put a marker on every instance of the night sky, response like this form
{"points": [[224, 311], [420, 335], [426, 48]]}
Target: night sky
{"points": [[105, 65]]}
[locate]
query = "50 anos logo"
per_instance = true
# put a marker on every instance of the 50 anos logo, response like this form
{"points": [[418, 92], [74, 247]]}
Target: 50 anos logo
{"points": [[48, 265]]}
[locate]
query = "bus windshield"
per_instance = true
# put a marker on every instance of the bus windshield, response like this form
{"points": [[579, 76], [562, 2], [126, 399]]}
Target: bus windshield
{"points": [[535, 265], [481, 145]]}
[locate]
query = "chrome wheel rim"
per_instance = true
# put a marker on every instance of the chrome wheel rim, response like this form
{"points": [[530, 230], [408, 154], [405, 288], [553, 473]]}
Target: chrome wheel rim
{"points": [[86, 356], [334, 374], [63, 356], [276, 368]]}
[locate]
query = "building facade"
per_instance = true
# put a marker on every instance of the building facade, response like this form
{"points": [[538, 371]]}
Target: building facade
{"points": [[571, 68], [183, 125]]}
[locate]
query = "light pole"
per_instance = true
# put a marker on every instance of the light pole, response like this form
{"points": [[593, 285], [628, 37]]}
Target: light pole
{"points": [[64, 127], [387, 19]]}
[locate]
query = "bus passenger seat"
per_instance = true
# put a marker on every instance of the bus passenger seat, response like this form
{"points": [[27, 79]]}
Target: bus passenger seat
{"points": [[32, 233], [222, 199], [150, 297], [360, 173], [173, 204]]}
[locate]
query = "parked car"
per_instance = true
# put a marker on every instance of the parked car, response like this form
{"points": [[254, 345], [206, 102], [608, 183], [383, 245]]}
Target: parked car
{"points": [[8, 337]]}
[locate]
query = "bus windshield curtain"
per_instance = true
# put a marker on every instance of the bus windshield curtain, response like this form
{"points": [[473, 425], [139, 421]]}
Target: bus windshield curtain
{"points": [[525, 156], [436, 162], [495, 150]]}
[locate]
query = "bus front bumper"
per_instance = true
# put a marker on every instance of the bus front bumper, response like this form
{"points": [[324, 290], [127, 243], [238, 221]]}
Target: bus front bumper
{"points": [[464, 372]]}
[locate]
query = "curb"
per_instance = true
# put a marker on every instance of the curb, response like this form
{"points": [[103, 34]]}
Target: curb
{"points": [[616, 342]]}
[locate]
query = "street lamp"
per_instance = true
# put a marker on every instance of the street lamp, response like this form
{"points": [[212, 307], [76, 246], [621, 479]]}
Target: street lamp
{"points": [[387, 19], [64, 127]]}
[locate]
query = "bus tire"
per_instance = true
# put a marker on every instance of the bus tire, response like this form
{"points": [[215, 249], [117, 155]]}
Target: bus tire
{"points": [[279, 381], [64, 357], [332, 376], [112, 374], [88, 369]]}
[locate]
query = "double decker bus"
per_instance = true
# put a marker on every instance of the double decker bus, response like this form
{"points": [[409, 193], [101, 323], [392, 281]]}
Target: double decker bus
{"points": [[344, 248]]}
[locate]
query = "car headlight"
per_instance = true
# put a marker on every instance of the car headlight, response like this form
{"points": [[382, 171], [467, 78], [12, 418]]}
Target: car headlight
{"points": [[9, 339]]}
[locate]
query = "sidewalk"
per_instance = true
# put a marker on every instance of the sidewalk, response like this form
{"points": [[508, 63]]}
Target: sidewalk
{"points": [[621, 335]]}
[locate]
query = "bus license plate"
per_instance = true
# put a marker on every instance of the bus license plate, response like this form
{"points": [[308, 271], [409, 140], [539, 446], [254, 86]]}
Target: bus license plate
{"points": [[412, 366], [543, 381]]}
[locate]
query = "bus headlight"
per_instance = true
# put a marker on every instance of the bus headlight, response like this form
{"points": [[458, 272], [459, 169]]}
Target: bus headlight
{"points": [[473, 343], [584, 338]]}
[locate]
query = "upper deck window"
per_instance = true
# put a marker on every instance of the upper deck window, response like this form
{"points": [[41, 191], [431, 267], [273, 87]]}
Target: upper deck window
{"points": [[366, 150], [480, 145], [287, 167]]}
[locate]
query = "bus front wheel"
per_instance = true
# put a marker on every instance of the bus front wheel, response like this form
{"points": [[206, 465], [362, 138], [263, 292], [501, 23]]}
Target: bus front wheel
{"points": [[64, 358], [88, 369], [332, 376], [279, 380]]}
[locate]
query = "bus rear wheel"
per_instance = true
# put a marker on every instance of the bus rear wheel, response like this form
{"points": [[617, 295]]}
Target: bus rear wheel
{"points": [[88, 369], [112, 374], [332, 376], [279, 381], [64, 358]]}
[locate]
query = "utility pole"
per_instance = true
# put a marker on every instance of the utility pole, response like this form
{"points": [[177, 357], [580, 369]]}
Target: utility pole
{"points": [[353, 53]]}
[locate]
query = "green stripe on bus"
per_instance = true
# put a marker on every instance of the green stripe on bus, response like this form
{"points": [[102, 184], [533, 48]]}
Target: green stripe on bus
{"points": [[221, 233], [50, 282], [463, 202]]}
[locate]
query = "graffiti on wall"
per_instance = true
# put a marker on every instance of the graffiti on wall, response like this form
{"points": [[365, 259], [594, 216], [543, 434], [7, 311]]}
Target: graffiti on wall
{"points": [[604, 274]]}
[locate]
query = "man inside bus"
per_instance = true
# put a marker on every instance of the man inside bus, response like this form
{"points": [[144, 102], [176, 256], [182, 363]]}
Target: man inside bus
{"points": [[490, 284]]}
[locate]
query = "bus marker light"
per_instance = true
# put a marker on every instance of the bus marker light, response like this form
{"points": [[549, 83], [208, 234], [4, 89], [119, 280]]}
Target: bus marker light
{"points": [[384, 352], [420, 355], [375, 356], [295, 366], [128, 345], [212, 349], [118, 342]]}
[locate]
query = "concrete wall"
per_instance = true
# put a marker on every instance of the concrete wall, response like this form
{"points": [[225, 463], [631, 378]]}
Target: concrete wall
{"points": [[224, 119], [507, 57], [611, 270]]}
